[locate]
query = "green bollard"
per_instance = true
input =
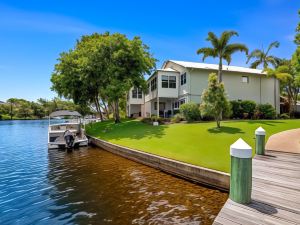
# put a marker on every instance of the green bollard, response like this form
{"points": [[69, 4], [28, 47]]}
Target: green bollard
{"points": [[241, 172], [260, 134]]}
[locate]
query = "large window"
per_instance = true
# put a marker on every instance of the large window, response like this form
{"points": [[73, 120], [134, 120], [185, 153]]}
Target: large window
{"points": [[137, 93], [183, 79], [168, 81], [153, 84]]}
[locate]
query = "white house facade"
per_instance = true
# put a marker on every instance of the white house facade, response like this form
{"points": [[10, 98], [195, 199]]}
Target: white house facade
{"points": [[179, 82]]}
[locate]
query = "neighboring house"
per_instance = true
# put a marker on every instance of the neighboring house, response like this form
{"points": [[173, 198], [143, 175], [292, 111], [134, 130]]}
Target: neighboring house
{"points": [[179, 82], [1, 103]]}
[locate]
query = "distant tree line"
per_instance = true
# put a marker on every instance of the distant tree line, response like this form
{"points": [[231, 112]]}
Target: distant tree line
{"points": [[17, 108]]}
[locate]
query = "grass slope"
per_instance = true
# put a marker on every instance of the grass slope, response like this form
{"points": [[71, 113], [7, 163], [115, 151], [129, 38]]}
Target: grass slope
{"points": [[196, 143]]}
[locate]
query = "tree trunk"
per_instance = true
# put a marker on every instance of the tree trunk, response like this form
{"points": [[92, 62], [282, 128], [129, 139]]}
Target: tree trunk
{"points": [[105, 108], [98, 108], [220, 71], [11, 111], [117, 113]]}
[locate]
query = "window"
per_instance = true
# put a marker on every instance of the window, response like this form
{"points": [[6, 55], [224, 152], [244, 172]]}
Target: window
{"points": [[183, 79], [140, 93], [245, 79], [177, 104], [134, 93], [153, 84], [168, 81], [164, 81], [137, 93], [172, 81]]}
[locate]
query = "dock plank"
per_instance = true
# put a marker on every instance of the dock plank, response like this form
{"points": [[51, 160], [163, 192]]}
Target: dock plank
{"points": [[275, 193]]}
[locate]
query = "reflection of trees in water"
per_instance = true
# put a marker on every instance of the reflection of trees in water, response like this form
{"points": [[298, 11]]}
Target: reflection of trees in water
{"points": [[97, 187]]}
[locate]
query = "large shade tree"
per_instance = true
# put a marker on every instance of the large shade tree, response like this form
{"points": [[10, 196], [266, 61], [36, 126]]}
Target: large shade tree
{"points": [[102, 66], [262, 57], [221, 49]]}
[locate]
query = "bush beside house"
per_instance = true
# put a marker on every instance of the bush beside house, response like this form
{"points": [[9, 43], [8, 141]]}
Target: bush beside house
{"points": [[190, 111]]}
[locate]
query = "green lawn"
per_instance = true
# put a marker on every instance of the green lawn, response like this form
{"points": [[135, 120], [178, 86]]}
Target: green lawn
{"points": [[196, 143]]}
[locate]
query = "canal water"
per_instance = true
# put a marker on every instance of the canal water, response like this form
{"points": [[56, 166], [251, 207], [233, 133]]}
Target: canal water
{"points": [[90, 186]]}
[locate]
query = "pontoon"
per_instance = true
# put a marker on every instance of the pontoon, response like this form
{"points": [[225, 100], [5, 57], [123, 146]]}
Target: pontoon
{"points": [[67, 134]]}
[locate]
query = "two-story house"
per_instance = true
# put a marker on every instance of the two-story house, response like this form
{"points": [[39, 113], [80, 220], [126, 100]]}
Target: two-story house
{"points": [[178, 82]]}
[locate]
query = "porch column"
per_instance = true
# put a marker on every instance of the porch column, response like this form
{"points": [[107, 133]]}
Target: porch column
{"points": [[157, 107], [129, 110]]}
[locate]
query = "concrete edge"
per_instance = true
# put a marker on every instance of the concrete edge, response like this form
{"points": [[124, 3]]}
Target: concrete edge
{"points": [[209, 177]]}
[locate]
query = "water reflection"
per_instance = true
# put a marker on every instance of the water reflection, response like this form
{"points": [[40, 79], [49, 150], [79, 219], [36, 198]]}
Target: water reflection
{"points": [[97, 187]]}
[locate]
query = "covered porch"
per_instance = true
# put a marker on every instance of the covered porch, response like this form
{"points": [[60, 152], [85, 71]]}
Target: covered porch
{"points": [[163, 107]]}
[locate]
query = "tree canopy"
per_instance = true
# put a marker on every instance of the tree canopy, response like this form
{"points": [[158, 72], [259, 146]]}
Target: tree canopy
{"points": [[263, 57], [221, 49], [101, 69]]}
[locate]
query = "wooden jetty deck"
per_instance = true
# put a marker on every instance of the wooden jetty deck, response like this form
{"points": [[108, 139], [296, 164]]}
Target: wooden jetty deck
{"points": [[275, 193]]}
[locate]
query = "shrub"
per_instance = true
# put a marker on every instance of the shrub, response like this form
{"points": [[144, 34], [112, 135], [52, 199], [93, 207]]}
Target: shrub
{"points": [[146, 120], [236, 108], [176, 118], [190, 111], [160, 120], [264, 111], [248, 108], [284, 116]]}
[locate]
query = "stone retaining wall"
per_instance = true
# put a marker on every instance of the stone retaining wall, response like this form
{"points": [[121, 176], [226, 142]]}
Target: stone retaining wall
{"points": [[190, 172]]}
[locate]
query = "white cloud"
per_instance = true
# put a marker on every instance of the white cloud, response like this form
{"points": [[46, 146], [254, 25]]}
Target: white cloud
{"points": [[16, 19]]}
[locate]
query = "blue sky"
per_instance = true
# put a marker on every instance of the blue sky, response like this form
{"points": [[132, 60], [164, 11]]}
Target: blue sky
{"points": [[33, 33]]}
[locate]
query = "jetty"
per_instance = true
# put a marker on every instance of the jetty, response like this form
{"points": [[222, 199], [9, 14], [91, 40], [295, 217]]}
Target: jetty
{"points": [[275, 193]]}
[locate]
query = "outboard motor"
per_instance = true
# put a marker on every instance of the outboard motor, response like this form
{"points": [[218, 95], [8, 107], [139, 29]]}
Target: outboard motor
{"points": [[69, 138]]}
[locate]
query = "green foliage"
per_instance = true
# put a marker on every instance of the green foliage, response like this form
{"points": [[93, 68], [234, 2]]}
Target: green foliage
{"points": [[221, 49], [176, 118], [263, 58], [102, 66], [236, 108], [16, 108], [248, 108], [214, 100], [297, 36], [264, 111], [284, 116], [190, 111]]}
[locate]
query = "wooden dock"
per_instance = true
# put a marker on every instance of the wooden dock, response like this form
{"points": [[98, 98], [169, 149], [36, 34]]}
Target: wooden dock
{"points": [[275, 193]]}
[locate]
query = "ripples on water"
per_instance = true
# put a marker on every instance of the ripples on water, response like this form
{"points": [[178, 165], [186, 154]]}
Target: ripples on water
{"points": [[90, 186]]}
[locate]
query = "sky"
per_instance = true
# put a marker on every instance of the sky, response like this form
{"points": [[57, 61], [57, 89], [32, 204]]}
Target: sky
{"points": [[33, 33]]}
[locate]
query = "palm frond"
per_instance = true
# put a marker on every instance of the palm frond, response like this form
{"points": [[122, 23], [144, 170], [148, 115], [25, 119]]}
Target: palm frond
{"points": [[213, 39], [235, 47], [274, 61], [274, 44], [256, 54], [225, 37], [255, 64], [206, 52], [227, 58]]}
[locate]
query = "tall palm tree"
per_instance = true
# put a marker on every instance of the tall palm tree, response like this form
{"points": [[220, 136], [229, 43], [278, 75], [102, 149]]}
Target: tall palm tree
{"points": [[221, 49], [263, 58]]}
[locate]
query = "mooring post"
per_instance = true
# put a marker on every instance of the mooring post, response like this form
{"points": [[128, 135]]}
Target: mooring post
{"points": [[260, 134], [241, 172]]}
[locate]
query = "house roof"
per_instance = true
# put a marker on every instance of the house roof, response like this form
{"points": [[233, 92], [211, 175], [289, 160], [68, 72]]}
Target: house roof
{"points": [[207, 66]]}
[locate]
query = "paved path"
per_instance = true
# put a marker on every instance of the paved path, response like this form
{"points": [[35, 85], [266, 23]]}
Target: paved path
{"points": [[286, 141], [275, 192]]}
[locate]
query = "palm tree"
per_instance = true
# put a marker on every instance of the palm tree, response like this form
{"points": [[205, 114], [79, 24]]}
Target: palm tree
{"points": [[221, 49], [263, 58]]}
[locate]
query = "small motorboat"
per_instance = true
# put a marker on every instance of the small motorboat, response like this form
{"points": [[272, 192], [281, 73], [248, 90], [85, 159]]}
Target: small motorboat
{"points": [[68, 134]]}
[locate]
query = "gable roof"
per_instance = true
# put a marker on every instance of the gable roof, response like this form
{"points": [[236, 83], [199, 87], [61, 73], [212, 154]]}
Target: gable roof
{"points": [[207, 66]]}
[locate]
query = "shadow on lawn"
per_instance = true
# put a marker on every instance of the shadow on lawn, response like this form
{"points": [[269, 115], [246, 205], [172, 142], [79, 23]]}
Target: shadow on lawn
{"points": [[224, 129]]}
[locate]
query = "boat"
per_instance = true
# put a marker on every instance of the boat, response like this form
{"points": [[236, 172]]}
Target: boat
{"points": [[66, 133]]}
